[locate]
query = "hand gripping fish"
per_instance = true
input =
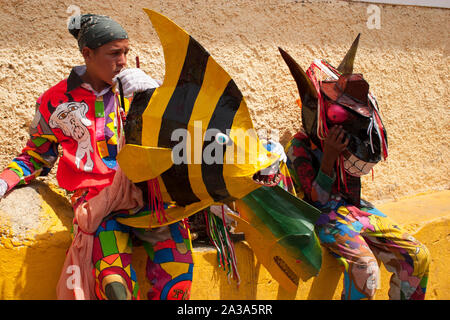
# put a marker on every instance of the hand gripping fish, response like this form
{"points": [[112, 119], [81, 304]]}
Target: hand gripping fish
{"points": [[191, 141]]}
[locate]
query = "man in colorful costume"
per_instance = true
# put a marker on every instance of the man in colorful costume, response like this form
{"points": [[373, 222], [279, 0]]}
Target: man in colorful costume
{"points": [[83, 115], [342, 139]]}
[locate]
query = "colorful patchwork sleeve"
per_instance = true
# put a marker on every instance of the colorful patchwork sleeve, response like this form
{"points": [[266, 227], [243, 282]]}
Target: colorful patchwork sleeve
{"points": [[315, 185], [37, 158]]}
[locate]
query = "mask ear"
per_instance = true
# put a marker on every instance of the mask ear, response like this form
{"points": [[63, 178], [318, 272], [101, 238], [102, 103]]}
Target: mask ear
{"points": [[346, 65], [308, 96], [83, 110], [304, 85]]}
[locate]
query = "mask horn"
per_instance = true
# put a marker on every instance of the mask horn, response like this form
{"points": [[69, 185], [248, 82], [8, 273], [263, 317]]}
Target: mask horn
{"points": [[304, 85], [346, 65]]}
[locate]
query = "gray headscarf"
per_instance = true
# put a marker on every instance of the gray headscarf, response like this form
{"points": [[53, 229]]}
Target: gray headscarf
{"points": [[93, 30]]}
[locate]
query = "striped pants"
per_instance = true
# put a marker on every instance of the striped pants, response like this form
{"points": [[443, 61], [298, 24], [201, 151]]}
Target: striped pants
{"points": [[169, 262], [358, 238]]}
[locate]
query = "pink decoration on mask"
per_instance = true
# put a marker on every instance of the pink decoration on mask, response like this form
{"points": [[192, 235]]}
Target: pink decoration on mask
{"points": [[337, 113]]}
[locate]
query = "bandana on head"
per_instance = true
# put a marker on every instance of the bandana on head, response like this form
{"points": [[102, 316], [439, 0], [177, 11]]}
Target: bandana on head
{"points": [[93, 30]]}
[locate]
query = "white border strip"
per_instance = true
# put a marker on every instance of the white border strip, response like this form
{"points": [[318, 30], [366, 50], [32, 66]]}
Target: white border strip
{"points": [[424, 3]]}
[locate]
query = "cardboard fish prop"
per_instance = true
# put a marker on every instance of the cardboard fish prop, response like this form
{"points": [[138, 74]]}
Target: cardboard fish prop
{"points": [[280, 230], [191, 142], [197, 118]]}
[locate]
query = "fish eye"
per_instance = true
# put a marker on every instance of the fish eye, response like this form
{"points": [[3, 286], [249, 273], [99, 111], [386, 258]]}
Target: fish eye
{"points": [[222, 138]]}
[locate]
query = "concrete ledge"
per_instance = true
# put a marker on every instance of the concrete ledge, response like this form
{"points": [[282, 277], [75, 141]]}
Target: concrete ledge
{"points": [[35, 223]]}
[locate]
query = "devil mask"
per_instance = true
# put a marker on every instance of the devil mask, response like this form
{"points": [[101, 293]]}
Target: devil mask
{"points": [[333, 96]]}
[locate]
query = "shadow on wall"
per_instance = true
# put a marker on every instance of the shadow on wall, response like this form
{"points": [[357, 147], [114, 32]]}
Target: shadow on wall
{"points": [[211, 282], [325, 286]]}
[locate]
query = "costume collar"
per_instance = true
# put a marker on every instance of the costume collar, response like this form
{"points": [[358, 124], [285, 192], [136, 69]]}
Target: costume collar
{"points": [[74, 81]]}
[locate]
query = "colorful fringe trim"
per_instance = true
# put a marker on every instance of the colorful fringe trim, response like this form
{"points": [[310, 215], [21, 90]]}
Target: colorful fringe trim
{"points": [[219, 236], [155, 202]]}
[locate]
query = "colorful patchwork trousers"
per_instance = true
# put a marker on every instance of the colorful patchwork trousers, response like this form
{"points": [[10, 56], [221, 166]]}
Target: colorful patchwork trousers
{"points": [[360, 237], [169, 262]]}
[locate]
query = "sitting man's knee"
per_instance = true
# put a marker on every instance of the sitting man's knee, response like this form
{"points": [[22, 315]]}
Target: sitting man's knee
{"points": [[365, 274], [421, 258], [116, 291]]}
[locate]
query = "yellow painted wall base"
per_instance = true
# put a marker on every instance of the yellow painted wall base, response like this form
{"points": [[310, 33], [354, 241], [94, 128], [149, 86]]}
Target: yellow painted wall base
{"points": [[426, 216], [30, 266]]}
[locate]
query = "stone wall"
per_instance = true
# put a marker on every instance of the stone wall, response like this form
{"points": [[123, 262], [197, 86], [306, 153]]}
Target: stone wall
{"points": [[406, 62]]}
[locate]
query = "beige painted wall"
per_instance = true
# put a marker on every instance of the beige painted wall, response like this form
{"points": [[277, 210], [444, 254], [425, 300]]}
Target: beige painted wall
{"points": [[406, 62]]}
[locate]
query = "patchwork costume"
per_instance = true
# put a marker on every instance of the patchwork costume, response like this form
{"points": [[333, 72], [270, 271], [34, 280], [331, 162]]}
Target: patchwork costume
{"points": [[352, 229], [358, 235], [169, 262]]}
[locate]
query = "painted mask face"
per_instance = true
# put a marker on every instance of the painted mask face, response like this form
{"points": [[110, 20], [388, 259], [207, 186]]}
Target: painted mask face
{"points": [[346, 102], [333, 96]]}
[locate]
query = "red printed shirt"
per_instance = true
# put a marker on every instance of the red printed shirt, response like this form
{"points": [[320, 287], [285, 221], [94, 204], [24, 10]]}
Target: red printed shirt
{"points": [[85, 125]]}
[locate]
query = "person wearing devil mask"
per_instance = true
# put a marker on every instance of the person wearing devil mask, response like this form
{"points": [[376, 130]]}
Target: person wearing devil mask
{"points": [[342, 138]]}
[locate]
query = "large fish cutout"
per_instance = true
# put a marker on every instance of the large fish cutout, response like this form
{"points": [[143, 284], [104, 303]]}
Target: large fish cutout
{"points": [[197, 114], [170, 122]]}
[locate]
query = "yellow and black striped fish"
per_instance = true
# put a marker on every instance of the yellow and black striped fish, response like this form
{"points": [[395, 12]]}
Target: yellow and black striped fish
{"points": [[197, 98], [199, 116]]}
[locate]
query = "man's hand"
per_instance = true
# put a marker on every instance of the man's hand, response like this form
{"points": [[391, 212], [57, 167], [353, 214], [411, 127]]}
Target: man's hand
{"points": [[332, 148], [3, 188], [135, 80]]}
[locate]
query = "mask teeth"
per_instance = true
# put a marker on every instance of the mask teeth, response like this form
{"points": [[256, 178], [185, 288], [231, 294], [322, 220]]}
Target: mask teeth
{"points": [[351, 166]]}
